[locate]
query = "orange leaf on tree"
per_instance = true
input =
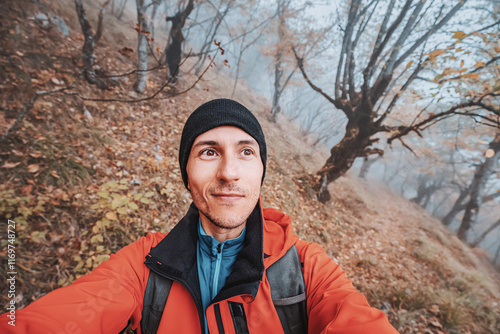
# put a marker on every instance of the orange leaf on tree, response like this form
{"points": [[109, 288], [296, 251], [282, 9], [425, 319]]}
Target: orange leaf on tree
{"points": [[490, 153], [459, 35]]}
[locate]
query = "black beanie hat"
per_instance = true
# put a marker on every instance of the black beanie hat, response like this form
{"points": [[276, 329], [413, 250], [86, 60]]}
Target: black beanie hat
{"points": [[217, 113]]}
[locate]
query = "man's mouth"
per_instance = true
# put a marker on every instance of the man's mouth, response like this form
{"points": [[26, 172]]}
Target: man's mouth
{"points": [[229, 196]]}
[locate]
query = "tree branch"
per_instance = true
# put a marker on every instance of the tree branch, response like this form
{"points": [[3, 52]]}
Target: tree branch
{"points": [[152, 96], [404, 130], [335, 102], [431, 31]]}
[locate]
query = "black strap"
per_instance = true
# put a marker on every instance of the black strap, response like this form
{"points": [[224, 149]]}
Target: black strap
{"points": [[239, 318], [155, 298], [287, 291]]}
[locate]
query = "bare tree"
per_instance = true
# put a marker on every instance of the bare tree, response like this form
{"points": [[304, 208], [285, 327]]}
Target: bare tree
{"points": [[215, 24], [281, 47], [88, 56], [497, 255], [367, 163], [173, 50], [481, 176], [244, 45], [360, 93], [143, 30], [100, 20], [457, 206], [427, 186], [485, 233], [121, 9]]}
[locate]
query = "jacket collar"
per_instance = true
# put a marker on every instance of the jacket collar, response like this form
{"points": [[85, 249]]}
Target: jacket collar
{"points": [[175, 257]]}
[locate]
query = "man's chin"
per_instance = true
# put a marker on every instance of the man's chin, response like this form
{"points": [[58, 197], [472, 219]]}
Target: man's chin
{"points": [[227, 217]]}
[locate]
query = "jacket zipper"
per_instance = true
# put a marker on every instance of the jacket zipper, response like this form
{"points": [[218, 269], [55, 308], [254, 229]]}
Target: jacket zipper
{"points": [[215, 283]]}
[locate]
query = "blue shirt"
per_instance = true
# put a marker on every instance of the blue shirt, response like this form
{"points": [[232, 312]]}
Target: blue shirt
{"points": [[215, 262]]}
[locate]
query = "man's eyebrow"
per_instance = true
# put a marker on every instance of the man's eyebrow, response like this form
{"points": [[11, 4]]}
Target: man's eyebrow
{"points": [[248, 142], [206, 143], [216, 143]]}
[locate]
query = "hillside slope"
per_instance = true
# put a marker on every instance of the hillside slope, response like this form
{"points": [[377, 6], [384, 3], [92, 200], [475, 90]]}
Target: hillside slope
{"points": [[84, 178]]}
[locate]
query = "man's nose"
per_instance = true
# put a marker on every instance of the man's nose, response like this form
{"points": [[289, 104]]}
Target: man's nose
{"points": [[229, 168]]}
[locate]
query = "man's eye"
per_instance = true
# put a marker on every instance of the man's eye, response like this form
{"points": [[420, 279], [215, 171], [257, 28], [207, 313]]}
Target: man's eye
{"points": [[208, 153], [247, 152]]}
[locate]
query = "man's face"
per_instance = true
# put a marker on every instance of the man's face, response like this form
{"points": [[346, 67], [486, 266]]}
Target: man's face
{"points": [[224, 176]]}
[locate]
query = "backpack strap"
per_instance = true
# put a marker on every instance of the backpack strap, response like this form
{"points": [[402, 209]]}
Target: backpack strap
{"points": [[155, 298], [288, 291]]}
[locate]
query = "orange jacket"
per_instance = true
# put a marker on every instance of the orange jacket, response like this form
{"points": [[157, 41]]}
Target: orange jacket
{"points": [[112, 295]]}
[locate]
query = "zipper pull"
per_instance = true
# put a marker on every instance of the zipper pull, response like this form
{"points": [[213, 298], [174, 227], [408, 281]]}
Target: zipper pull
{"points": [[219, 248]]}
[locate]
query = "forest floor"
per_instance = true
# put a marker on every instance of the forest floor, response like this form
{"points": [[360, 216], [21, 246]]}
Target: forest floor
{"points": [[83, 178]]}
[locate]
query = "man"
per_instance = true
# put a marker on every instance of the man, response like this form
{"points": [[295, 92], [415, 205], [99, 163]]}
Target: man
{"points": [[215, 267]]}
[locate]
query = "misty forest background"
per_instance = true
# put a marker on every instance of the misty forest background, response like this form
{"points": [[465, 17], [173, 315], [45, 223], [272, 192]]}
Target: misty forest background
{"points": [[382, 118]]}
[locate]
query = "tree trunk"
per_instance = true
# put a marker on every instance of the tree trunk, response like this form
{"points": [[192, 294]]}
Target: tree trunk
{"points": [[485, 233], [497, 255], [238, 66], [156, 4], [365, 167], [98, 33], [342, 156], [278, 73], [142, 46], [426, 188], [173, 50], [88, 56], [448, 219], [278, 70], [481, 176], [121, 9]]}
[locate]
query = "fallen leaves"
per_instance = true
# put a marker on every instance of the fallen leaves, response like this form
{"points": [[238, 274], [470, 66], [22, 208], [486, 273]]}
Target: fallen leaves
{"points": [[9, 165], [33, 168], [434, 309], [111, 215]]}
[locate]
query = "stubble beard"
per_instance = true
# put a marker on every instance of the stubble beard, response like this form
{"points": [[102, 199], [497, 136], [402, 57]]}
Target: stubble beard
{"points": [[228, 223]]}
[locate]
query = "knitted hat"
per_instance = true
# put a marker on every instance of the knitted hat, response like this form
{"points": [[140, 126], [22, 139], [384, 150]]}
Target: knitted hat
{"points": [[217, 113]]}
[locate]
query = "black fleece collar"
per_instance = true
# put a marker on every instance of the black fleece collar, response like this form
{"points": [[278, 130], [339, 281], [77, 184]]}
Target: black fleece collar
{"points": [[175, 257]]}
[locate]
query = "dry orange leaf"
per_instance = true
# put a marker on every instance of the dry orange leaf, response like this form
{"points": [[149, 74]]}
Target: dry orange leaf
{"points": [[26, 190], [10, 164], [17, 153], [33, 168], [435, 322], [36, 154], [111, 216], [434, 309]]}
